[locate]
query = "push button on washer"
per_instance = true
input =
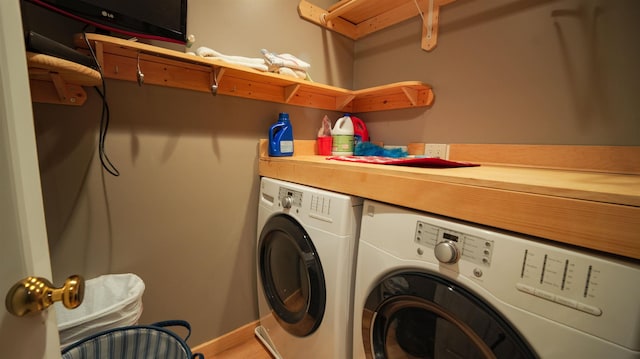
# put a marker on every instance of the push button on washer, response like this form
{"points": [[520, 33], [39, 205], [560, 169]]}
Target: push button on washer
{"points": [[566, 302], [544, 294], [589, 309], [525, 288]]}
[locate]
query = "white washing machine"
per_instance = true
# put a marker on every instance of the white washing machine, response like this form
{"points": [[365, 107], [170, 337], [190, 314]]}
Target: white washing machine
{"points": [[307, 243], [429, 287]]}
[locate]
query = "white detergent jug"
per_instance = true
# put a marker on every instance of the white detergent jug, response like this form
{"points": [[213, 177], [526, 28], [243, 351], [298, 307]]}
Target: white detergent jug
{"points": [[342, 134]]}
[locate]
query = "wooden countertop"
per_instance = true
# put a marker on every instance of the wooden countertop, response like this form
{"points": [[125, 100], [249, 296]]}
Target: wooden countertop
{"points": [[595, 210]]}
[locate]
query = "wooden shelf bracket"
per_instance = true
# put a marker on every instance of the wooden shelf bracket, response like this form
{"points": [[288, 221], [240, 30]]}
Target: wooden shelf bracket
{"points": [[56, 91], [58, 81], [429, 26], [290, 91], [343, 101], [412, 95]]}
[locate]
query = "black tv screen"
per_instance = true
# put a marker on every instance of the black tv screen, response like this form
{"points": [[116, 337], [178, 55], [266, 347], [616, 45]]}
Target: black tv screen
{"points": [[164, 20]]}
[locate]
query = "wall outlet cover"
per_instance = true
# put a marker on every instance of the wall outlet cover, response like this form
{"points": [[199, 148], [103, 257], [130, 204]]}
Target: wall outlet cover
{"points": [[437, 150]]}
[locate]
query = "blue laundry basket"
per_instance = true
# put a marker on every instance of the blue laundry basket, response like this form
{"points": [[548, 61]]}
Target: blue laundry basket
{"points": [[153, 341]]}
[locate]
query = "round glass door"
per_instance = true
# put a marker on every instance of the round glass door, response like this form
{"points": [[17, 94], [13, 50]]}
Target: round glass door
{"points": [[419, 315], [292, 277]]}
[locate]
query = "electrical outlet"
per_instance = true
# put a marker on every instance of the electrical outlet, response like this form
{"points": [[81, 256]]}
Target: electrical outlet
{"points": [[438, 150]]}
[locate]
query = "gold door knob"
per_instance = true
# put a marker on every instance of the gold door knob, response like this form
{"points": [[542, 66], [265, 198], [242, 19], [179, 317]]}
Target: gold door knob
{"points": [[35, 294]]}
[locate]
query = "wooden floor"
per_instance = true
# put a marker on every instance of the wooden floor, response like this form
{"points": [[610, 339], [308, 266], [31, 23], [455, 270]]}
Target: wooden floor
{"points": [[251, 349], [238, 344]]}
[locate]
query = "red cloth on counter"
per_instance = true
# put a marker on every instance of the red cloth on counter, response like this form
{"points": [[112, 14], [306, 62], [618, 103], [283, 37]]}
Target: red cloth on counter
{"points": [[426, 162]]}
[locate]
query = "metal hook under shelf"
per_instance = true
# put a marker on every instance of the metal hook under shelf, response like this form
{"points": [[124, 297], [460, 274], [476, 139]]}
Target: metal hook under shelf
{"points": [[139, 74], [214, 82]]}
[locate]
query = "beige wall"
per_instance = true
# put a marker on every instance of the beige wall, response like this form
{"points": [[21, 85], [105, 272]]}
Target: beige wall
{"points": [[506, 71], [182, 214]]}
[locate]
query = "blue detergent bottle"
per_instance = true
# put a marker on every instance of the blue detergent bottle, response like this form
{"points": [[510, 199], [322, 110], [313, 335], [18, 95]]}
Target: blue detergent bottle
{"points": [[281, 137]]}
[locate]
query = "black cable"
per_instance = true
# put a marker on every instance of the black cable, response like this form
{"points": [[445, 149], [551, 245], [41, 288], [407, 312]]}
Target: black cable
{"points": [[104, 117]]}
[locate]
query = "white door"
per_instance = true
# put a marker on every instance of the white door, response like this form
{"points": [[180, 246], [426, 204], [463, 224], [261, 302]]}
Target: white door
{"points": [[23, 237]]}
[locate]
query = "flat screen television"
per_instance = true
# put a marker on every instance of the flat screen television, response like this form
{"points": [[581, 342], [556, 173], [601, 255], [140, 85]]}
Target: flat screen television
{"points": [[164, 20]]}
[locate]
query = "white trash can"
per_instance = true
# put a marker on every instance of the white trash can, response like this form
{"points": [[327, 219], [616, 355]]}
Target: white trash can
{"points": [[110, 301]]}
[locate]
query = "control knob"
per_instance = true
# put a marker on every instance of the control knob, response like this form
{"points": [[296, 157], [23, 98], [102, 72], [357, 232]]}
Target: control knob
{"points": [[287, 202], [447, 252]]}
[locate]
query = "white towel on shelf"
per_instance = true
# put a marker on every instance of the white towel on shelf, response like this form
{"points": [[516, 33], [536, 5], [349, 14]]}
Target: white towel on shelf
{"points": [[284, 60], [254, 63], [292, 73]]}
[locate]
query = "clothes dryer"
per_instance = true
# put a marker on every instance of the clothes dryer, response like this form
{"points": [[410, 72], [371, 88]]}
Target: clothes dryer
{"points": [[432, 287], [306, 248]]}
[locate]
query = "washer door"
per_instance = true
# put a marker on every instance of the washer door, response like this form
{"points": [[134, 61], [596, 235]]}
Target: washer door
{"points": [[292, 277], [419, 315]]}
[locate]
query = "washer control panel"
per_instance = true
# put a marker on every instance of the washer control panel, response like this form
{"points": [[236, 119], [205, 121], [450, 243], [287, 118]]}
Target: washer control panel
{"points": [[450, 246], [545, 275]]}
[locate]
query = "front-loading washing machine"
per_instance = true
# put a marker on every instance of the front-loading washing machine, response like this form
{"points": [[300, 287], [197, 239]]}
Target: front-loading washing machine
{"points": [[306, 248], [433, 287]]}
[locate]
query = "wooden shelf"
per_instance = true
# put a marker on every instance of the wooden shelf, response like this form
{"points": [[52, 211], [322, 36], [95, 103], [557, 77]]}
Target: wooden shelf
{"points": [[358, 18], [585, 208], [58, 81], [120, 60]]}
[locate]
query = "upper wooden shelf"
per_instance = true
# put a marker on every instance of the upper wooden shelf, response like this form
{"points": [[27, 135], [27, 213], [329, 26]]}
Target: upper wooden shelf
{"points": [[58, 81], [121, 59], [358, 18]]}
